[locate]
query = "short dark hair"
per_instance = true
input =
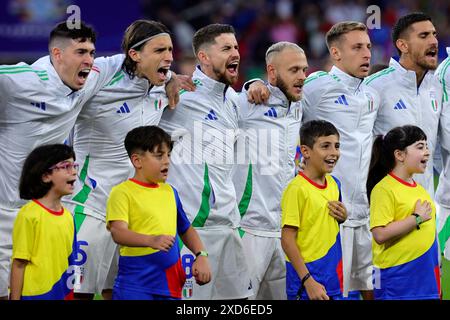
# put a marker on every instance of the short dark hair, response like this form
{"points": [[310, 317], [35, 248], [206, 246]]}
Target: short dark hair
{"points": [[311, 130], [207, 35], [146, 138], [136, 32], [341, 28], [403, 24], [82, 34], [37, 164]]}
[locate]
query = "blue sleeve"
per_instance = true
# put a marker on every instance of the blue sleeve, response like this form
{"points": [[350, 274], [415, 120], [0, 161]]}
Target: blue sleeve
{"points": [[75, 247], [182, 221], [339, 187]]}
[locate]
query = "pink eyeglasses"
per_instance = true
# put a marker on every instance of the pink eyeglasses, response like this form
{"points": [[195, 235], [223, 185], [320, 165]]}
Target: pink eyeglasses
{"points": [[65, 165]]}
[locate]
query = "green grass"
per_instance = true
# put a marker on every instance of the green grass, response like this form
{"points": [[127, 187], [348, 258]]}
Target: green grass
{"points": [[445, 279], [98, 297]]}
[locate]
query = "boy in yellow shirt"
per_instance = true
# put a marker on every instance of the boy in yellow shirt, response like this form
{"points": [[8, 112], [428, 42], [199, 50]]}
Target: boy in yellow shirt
{"points": [[145, 217], [311, 212]]}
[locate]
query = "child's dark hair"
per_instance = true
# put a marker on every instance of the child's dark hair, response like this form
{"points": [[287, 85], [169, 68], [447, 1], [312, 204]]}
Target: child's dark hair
{"points": [[403, 24], [311, 130], [146, 138], [383, 159], [37, 164]]}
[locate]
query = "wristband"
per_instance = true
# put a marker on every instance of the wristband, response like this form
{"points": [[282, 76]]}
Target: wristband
{"points": [[302, 285], [306, 277], [201, 253], [419, 220]]}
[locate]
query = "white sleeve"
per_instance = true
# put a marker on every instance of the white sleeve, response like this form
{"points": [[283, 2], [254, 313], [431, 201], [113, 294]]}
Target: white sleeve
{"points": [[158, 90], [442, 194], [4, 91], [312, 93], [174, 122], [8, 88], [249, 82], [103, 71], [444, 119], [245, 107]]}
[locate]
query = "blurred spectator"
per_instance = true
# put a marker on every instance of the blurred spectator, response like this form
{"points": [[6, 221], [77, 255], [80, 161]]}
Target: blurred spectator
{"points": [[260, 23], [186, 64], [377, 67]]}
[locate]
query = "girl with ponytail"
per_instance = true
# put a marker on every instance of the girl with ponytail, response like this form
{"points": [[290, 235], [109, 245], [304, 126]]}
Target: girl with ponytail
{"points": [[402, 218]]}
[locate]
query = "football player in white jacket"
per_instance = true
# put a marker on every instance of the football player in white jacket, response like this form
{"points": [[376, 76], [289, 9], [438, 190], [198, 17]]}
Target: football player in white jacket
{"points": [[39, 105], [268, 141], [412, 95], [410, 92], [442, 191], [134, 97], [339, 96], [204, 127]]}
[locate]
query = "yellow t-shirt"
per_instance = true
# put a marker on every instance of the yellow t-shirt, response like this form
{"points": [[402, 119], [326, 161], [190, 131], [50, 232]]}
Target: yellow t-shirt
{"points": [[392, 200], [304, 205], [146, 209], [45, 238], [152, 210]]}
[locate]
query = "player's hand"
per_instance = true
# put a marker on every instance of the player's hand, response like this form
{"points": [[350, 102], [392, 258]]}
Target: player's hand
{"points": [[186, 82], [315, 290], [162, 242], [258, 93], [172, 91], [337, 210], [173, 87], [201, 270]]}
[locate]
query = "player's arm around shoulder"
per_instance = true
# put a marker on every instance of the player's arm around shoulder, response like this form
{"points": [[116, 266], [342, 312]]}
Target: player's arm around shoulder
{"points": [[246, 108], [178, 121], [256, 91], [106, 68], [175, 84]]}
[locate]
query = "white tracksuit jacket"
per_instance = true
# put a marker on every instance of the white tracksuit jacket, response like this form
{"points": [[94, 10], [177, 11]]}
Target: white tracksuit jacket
{"points": [[204, 127], [352, 107], [99, 134], [37, 108], [265, 155], [443, 189], [403, 103]]}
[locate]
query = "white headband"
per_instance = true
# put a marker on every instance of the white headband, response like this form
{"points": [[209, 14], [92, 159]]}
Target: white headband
{"points": [[149, 38]]}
